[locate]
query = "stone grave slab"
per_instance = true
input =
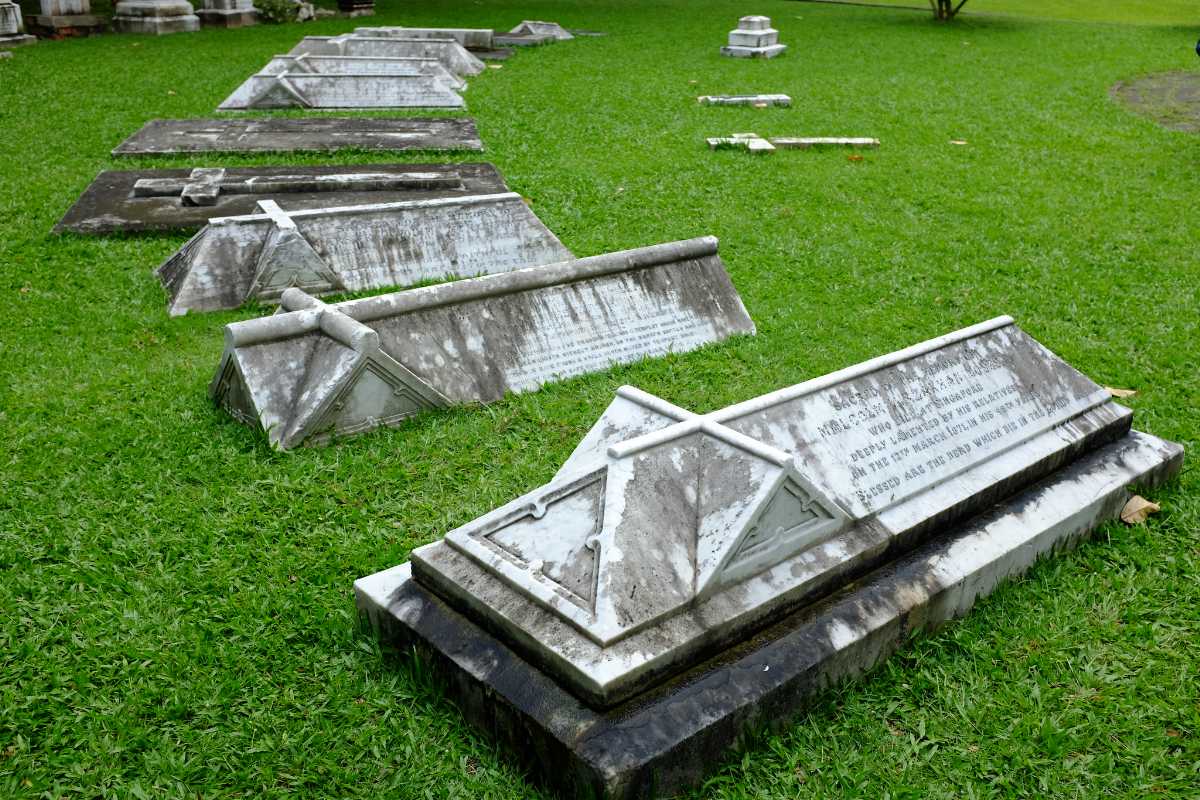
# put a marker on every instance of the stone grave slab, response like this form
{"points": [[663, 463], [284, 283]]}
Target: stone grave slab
{"points": [[354, 248], [284, 135], [364, 65], [470, 38], [406, 87], [317, 371], [756, 100], [753, 38], [170, 199], [686, 577], [456, 57]]}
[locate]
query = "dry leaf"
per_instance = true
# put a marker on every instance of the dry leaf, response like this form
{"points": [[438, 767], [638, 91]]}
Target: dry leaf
{"points": [[855, 157], [1118, 393], [958, 141], [759, 105], [692, 83], [171, 92], [1137, 510], [495, 66]]}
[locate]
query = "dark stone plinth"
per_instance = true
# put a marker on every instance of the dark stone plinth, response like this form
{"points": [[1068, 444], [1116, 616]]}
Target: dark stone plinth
{"points": [[491, 54], [227, 18], [109, 204], [284, 135], [669, 738], [60, 27], [356, 8], [522, 39]]}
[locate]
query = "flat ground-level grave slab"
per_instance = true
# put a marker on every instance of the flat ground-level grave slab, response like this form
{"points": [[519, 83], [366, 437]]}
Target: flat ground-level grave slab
{"points": [[316, 371], [354, 248], [170, 199], [686, 578], [1172, 99], [284, 135]]}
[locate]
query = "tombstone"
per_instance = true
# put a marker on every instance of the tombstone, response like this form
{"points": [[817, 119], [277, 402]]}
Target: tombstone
{"points": [[685, 578], [456, 57], [317, 371], [755, 100], [12, 28], [132, 201], [532, 33], [60, 18], [470, 38], [753, 38], [315, 135], [404, 87], [354, 248], [364, 65], [228, 13], [158, 17]]}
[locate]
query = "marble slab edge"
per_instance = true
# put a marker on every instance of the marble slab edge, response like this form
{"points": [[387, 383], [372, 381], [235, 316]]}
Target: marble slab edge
{"points": [[669, 738]]}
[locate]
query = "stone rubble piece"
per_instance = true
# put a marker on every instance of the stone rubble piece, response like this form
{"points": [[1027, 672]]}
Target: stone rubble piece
{"points": [[456, 57], [354, 248], [712, 569], [470, 341], [405, 85], [753, 38], [285, 135], [168, 199], [757, 100], [760, 145]]}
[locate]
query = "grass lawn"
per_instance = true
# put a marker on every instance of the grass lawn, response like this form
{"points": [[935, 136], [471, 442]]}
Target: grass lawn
{"points": [[1183, 13], [177, 610]]}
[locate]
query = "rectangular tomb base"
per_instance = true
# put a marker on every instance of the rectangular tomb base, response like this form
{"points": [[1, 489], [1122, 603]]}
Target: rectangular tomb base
{"points": [[294, 135], [669, 738]]}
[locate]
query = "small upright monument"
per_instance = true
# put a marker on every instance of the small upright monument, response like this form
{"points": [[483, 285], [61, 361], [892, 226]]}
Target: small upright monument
{"points": [[12, 29], [228, 13], [155, 16], [61, 18], [753, 38]]}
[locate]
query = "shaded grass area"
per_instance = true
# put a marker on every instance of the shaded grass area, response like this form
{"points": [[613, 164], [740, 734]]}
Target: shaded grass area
{"points": [[178, 614], [1184, 13]]}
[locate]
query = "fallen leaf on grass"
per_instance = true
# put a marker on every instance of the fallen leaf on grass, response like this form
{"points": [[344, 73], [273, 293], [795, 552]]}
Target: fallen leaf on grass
{"points": [[759, 105], [1118, 393], [854, 158], [495, 66], [171, 92], [1138, 509], [692, 83], [958, 141]]}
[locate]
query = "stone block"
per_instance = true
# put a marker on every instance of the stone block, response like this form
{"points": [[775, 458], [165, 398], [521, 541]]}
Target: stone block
{"points": [[684, 577], [456, 57], [228, 13], [753, 38], [157, 17], [756, 100], [313, 372], [286, 135], [354, 248], [170, 199], [470, 38]]}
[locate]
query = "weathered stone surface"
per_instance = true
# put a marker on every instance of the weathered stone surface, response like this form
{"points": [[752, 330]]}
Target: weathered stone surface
{"points": [[282, 135], [354, 248], [753, 38], [365, 66], [456, 57], [757, 144], [299, 375], [757, 100], [668, 534], [155, 16], [12, 27], [228, 13], [670, 738], [404, 85], [470, 38], [532, 33], [168, 199]]}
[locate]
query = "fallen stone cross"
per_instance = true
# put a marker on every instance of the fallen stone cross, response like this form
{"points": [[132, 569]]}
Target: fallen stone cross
{"points": [[354, 248], [316, 371], [686, 577], [761, 145], [756, 100]]}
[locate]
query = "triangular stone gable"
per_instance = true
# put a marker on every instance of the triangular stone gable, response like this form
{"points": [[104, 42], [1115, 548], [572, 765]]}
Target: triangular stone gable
{"points": [[279, 93], [231, 393], [288, 260]]}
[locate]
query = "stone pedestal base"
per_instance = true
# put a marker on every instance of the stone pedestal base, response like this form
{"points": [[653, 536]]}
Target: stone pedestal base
{"points": [[57, 27], [16, 40], [736, 51], [227, 18], [155, 17]]}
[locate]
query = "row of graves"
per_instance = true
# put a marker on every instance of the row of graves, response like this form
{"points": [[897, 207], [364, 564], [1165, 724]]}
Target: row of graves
{"points": [[685, 579]]}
